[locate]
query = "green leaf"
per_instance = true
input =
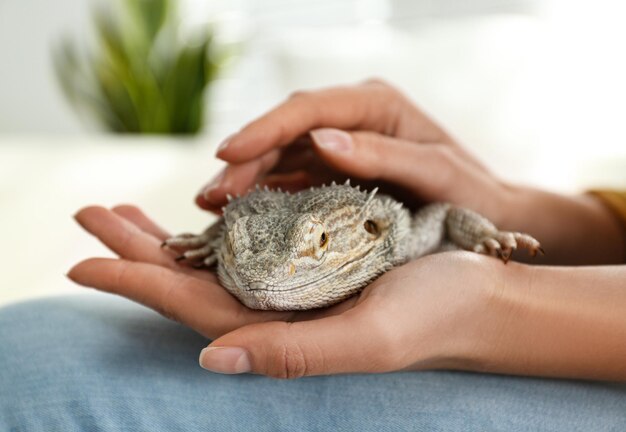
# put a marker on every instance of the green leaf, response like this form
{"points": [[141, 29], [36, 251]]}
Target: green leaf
{"points": [[148, 15], [184, 87], [140, 79]]}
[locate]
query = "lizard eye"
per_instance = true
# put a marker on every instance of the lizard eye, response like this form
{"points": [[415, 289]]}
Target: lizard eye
{"points": [[371, 227], [323, 239]]}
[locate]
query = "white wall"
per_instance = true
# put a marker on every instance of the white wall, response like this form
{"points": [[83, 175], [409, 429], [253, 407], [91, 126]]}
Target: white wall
{"points": [[30, 101]]}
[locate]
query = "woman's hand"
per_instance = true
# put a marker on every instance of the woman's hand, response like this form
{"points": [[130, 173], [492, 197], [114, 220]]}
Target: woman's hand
{"points": [[148, 274], [372, 133], [407, 319], [418, 316], [456, 310], [384, 126]]}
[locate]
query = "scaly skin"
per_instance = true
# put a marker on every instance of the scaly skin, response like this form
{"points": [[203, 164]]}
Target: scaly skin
{"points": [[276, 251]]}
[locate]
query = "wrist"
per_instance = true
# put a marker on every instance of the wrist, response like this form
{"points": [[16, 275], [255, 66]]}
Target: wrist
{"points": [[545, 321], [573, 229], [476, 307], [483, 338], [612, 207]]}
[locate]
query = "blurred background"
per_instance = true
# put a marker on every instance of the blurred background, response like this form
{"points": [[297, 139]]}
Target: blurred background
{"points": [[125, 101]]}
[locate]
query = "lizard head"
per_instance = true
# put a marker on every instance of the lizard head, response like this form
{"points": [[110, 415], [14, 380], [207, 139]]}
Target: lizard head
{"points": [[322, 244]]}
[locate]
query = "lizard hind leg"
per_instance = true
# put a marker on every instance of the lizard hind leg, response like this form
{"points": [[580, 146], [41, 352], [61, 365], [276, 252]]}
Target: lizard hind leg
{"points": [[199, 250], [471, 231]]}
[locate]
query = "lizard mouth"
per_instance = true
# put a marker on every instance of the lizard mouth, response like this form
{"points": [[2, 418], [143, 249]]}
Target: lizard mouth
{"points": [[262, 286]]}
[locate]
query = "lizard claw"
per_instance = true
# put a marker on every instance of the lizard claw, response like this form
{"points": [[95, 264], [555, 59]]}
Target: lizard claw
{"points": [[504, 255], [503, 243], [196, 249]]}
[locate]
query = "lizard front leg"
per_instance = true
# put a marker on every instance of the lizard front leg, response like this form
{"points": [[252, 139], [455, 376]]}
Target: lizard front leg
{"points": [[471, 231], [199, 249]]}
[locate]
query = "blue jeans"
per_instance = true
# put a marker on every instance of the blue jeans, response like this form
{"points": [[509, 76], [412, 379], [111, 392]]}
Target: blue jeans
{"points": [[98, 363]]}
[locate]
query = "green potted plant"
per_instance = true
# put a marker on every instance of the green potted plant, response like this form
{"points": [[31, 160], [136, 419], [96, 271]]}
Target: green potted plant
{"points": [[142, 76]]}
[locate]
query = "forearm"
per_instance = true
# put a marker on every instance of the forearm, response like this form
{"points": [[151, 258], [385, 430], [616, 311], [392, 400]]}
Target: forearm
{"points": [[574, 230], [553, 321]]}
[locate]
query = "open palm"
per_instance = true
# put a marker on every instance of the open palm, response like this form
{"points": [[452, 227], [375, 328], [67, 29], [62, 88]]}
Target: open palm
{"points": [[148, 274], [395, 323]]}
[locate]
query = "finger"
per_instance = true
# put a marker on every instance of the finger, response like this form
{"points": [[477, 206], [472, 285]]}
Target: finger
{"points": [[291, 182], [355, 341], [291, 172], [288, 182], [122, 236], [372, 106], [296, 156], [199, 304], [137, 217], [234, 180], [431, 171]]}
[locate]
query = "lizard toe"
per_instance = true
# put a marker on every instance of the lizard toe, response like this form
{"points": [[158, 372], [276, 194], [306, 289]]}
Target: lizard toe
{"points": [[529, 243]]}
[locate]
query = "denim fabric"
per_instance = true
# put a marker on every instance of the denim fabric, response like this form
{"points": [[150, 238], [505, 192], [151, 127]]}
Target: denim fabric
{"points": [[98, 363]]}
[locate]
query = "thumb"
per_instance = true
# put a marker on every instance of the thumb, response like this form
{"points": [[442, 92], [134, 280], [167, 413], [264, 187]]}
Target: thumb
{"points": [[336, 344], [429, 170]]}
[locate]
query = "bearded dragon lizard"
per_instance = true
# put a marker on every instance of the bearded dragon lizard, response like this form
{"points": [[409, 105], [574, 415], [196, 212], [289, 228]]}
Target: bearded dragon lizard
{"points": [[281, 251]]}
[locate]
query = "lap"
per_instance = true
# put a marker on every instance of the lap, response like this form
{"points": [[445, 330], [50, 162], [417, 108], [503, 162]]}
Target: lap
{"points": [[95, 362]]}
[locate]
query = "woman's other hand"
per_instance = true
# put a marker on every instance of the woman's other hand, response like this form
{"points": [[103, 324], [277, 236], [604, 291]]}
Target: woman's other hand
{"points": [[375, 135]]}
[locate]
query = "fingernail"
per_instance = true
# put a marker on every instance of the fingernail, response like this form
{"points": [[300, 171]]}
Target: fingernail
{"points": [[332, 139], [213, 185], [225, 360], [225, 143]]}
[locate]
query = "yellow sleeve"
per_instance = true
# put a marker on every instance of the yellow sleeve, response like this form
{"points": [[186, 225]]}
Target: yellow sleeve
{"points": [[614, 200]]}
